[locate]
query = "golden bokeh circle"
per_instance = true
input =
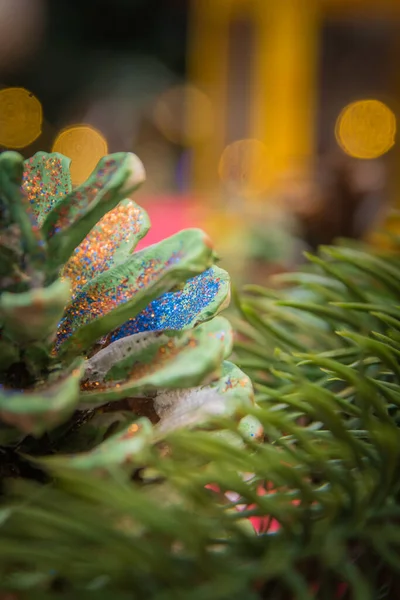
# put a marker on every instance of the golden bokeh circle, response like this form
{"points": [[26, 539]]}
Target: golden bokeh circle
{"points": [[85, 146], [184, 114], [366, 129], [20, 118], [243, 167]]}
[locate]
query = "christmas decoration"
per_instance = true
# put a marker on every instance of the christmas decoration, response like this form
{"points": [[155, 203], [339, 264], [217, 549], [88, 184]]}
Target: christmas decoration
{"points": [[295, 497], [85, 321]]}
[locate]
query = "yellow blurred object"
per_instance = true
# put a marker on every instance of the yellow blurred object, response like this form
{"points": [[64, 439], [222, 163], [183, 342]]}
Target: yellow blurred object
{"points": [[257, 61], [172, 110], [244, 167], [366, 129], [20, 118], [85, 146], [387, 236]]}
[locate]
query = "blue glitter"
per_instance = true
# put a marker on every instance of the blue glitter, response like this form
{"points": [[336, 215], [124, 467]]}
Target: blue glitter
{"points": [[174, 310], [99, 297]]}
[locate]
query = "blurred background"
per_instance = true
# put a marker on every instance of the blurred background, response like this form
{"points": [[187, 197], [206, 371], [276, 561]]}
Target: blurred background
{"points": [[271, 124]]}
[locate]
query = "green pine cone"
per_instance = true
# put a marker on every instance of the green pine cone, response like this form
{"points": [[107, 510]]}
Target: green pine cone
{"points": [[84, 320], [321, 489]]}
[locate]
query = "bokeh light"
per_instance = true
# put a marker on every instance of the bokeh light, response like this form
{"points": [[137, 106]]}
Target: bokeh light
{"points": [[85, 146], [366, 129], [243, 167], [184, 115], [20, 117]]}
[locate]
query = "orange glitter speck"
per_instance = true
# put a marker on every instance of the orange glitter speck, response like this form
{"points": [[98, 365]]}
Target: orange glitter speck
{"points": [[97, 252]]}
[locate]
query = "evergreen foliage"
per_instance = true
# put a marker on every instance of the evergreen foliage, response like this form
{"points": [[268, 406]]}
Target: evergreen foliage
{"points": [[138, 516]]}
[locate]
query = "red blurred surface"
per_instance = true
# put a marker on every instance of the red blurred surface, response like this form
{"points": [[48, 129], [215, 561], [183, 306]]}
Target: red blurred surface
{"points": [[168, 215]]}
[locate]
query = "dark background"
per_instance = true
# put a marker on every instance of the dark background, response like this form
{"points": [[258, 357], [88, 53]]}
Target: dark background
{"points": [[82, 35]]}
